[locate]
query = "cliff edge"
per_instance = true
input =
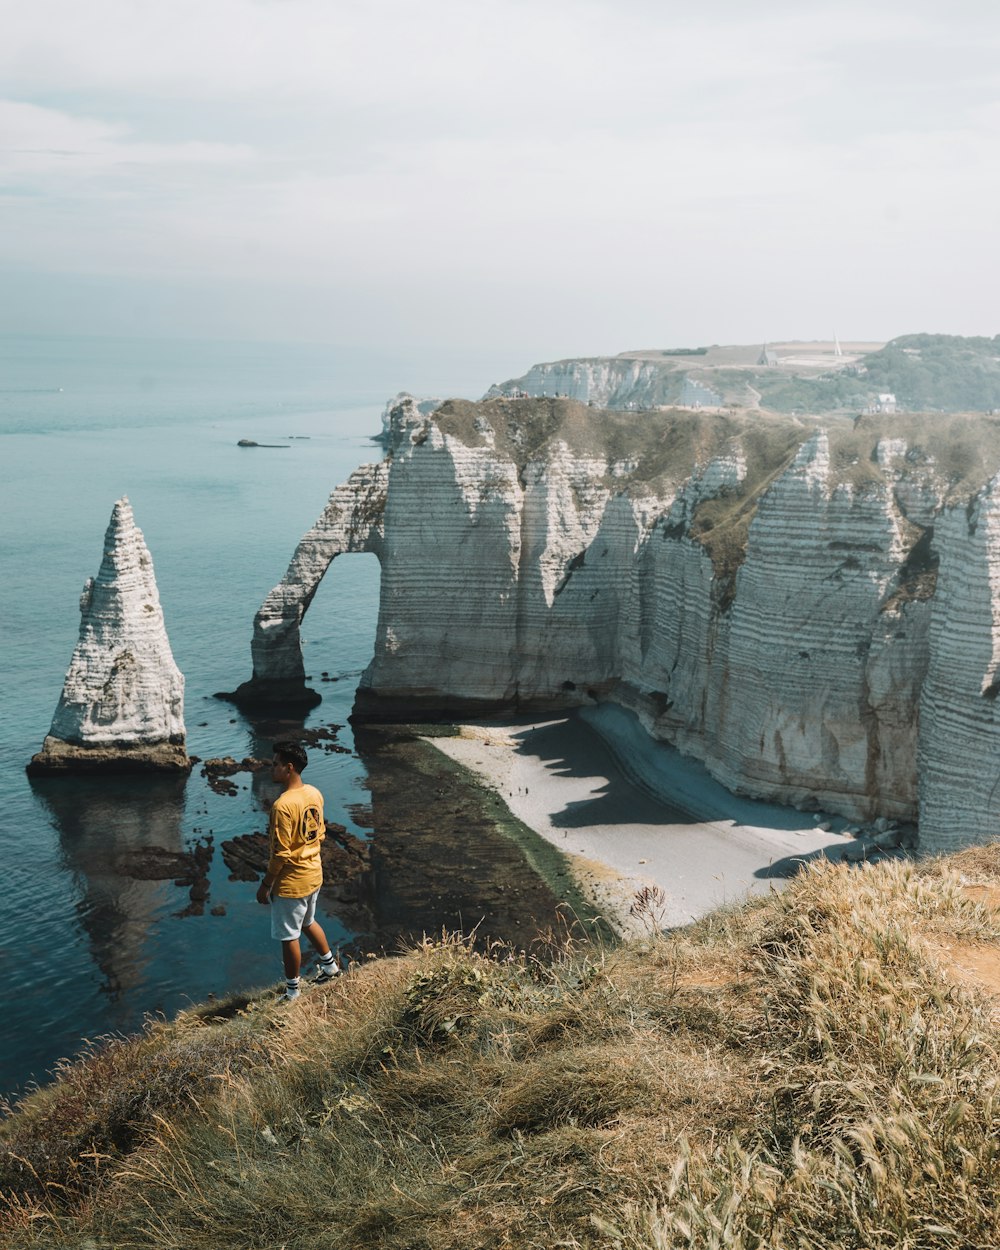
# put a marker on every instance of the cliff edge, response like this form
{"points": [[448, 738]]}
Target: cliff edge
{"points": [[819, 1069]]}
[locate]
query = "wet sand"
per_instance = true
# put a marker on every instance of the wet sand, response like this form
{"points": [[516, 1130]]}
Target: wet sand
{"points": [[632, 813]]}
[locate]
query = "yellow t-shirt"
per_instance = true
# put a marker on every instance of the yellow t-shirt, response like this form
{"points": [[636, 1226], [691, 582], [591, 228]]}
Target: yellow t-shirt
{"points": [[295, 831]]}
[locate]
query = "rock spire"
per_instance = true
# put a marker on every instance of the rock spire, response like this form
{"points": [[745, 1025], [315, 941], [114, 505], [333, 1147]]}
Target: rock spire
{"points": [[122, 704]]}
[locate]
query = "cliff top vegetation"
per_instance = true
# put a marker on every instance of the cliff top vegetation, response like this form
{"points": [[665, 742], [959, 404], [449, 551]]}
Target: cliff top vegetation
{"points": [[925, 373], [661, 448], [655, 450], [655, 453], [819, 1068]]}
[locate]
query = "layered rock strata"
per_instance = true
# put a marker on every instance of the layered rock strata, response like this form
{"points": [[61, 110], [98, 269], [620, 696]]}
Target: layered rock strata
{"points": [[122, 704], [810, 611]]}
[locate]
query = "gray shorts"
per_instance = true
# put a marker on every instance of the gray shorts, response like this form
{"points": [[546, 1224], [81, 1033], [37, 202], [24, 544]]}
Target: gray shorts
{"points": [[289, 916]]}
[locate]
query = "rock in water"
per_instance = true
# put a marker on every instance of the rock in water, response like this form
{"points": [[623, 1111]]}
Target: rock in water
{"points": [[122, 705]]}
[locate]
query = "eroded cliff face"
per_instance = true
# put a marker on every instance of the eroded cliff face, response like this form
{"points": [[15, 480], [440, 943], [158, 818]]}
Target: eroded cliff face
{"points": [[813, 612], [122, 704], [605, 382]]}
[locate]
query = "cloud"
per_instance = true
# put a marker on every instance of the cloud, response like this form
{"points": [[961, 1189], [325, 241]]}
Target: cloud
{"points": [[37, 141], [507, 63], [617, 156]]}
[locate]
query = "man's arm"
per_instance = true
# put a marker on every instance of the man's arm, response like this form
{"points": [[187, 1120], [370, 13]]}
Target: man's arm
{"points": [[279, 832]]}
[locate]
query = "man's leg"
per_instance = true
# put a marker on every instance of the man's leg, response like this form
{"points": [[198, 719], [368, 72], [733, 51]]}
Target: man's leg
{"points": [[317, 937], [287, 915], [327, 966], [291, 955]]}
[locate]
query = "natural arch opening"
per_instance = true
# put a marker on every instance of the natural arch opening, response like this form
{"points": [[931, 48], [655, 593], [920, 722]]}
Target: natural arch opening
{"points": [[338, 628]]}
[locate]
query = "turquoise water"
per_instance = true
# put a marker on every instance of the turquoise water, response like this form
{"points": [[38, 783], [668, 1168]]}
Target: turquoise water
{"points": [[84, 950]]}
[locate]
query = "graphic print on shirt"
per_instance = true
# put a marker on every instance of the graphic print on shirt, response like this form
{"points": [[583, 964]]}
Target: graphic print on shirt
{"points": [[311, 824]]}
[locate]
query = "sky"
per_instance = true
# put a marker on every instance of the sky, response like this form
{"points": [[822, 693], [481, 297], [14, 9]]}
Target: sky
{"points": [[548, 178]]}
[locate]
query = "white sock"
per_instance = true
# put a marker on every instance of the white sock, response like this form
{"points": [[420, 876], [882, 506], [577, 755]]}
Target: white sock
{"points": [[291, 986]]}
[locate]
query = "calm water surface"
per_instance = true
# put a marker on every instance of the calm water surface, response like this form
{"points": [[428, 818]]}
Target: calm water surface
{"points": [[84, 950]]}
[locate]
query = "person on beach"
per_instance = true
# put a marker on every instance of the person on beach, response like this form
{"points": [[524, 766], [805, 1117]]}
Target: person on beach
{"points": [[295, 872]]}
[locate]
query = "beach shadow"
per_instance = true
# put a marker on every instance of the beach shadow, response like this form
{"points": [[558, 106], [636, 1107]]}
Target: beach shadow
{"points": [[569, 748], [791, 865]]}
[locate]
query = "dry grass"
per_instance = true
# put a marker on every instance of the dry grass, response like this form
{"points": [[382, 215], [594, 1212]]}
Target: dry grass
{"points": [[105, 1104], [797, 1072], [665, 445]]}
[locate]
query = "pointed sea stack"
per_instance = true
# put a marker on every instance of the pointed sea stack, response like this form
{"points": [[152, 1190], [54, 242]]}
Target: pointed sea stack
{"points": [[122, 705]]}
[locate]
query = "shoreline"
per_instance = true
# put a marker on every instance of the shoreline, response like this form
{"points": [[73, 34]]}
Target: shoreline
{"points": [[447, 853], [630, 813]]}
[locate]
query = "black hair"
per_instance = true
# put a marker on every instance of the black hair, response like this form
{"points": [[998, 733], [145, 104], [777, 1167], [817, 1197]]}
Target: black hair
{"points": [[288, 752]]}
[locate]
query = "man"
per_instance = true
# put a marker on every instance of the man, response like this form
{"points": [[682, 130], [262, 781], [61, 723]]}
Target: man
{"points": [[295, 872]]}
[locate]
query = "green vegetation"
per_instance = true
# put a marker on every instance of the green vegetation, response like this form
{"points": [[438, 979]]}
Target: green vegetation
{"points": [[940, 372], [804, 1071], [785, 392], [925, 372]]}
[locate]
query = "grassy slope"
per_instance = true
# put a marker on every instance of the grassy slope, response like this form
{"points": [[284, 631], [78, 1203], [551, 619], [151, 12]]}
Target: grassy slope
{"points": [[804, 1071]]}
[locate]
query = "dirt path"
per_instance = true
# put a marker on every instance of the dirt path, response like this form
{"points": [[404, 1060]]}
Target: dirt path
{"points": [[975, 964]]}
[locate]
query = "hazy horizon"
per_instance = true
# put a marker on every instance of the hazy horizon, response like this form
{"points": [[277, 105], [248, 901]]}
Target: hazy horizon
{"points": [[535, 181]]}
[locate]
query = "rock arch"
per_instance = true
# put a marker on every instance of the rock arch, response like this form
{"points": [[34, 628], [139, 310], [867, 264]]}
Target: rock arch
{"points": [[352, 521]]}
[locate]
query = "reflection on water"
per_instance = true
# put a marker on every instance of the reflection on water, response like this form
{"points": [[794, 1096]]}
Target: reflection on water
{"points": [[101, 822], [442, 854], [265, 731]]}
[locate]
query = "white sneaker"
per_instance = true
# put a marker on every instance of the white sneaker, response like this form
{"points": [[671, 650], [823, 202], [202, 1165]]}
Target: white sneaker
{"points": [[326, 974]]}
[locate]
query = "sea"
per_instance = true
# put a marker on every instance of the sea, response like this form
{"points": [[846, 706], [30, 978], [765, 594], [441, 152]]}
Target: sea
{"points": [[85, 951]]}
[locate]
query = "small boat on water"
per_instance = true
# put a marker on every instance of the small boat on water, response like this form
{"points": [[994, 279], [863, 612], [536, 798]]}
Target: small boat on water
{"points": [[249, 442]]}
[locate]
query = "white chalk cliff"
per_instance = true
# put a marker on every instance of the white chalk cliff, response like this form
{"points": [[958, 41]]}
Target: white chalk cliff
{"points": [[604, 382], [122, 704], [814, 613]]}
